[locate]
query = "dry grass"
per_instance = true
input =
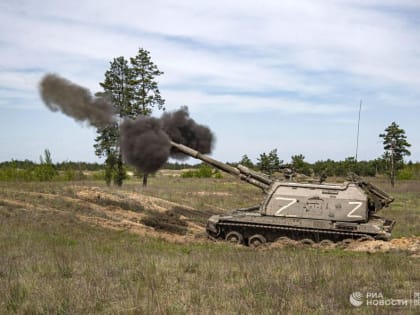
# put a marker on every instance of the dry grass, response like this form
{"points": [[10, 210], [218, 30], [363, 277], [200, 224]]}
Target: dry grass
{"points": [[52, 262]]}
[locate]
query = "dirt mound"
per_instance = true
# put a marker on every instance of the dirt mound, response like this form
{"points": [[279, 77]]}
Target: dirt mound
{"points": [[145, 215], [161, 215], [408, 244], [116, 210], [121, 198]]}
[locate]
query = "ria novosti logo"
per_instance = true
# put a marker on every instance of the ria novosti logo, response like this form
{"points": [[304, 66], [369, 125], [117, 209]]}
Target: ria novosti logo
{"points": [[378, 299], [356, 299]]}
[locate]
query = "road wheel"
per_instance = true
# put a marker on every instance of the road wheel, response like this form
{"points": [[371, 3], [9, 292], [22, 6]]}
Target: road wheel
{"points": [[234, 237], [307, 241], [256, 240]]}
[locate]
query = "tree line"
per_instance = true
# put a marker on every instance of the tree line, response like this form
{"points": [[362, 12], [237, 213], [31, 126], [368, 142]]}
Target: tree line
{"points": [[268, 163], [331, 168], [390, 163]]}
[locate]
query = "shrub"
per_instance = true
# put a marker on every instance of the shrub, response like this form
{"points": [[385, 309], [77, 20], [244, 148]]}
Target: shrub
{"points": [[44, 172], [204, 171], [188, 174], [405, 173]]}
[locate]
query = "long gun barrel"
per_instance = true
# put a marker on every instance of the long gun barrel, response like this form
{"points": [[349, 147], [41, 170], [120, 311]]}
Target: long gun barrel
{"points": [[240, 171]]}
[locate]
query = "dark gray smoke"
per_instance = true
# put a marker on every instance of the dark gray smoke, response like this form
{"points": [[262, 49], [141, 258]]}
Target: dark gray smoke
{"points": [[75, 101], [183, 129], [144, 144]]}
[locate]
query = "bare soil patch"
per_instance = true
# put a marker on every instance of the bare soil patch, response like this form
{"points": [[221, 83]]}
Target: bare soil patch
{"points": [[152, 216], [408, 244]]}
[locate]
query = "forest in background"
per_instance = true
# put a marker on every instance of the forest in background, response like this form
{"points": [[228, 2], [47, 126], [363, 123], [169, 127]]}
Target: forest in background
{"points": [[270, 164]]}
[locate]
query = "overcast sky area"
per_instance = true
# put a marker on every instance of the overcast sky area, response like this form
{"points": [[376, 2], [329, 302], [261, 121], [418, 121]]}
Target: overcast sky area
{"points": [[261, 74]]}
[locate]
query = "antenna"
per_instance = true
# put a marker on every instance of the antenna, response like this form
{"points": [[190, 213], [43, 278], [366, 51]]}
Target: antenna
{"points": [[358, 128]]}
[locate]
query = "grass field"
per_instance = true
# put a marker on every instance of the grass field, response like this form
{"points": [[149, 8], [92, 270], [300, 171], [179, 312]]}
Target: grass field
{"points": [[84, 248]]}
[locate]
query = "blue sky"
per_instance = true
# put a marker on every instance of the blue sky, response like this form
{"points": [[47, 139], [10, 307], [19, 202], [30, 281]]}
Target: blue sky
{"points": [[261, 74]]}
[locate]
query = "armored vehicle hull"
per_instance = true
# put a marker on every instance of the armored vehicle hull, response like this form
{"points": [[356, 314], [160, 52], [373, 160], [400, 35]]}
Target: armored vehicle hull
{"points": [[307, 212], [303, 211]]}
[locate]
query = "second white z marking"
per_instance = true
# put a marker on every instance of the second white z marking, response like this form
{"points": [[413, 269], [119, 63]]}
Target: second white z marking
{"points": [[292, 201], [358, 205]]}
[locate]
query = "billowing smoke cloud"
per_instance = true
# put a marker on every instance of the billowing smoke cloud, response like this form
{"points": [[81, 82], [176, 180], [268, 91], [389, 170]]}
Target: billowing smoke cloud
{"points": [[183, 129], [75, 101], [145, 142]]}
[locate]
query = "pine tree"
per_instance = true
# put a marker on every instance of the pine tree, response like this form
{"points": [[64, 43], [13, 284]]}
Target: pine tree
{"points": [[146, 92], [133, 90], [118, 88], [395, 146]]}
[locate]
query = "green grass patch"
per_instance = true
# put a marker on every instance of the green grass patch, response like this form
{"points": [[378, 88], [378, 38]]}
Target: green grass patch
{"points": [[52, 263]]}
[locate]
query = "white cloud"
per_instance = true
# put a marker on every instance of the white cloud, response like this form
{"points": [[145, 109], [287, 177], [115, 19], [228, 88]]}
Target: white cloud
{"points": [[233, 103], [18, 80], [326, 36]]}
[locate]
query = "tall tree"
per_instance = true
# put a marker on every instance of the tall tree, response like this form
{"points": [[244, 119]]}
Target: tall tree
{"points": [[146, 91], [395, 146], [106, 145], [119, 89], [146, 94], [133, 90]]}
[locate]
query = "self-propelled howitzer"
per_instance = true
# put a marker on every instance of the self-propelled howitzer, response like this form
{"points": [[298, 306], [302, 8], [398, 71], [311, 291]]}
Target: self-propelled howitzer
{"points": [[308, 212]]}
